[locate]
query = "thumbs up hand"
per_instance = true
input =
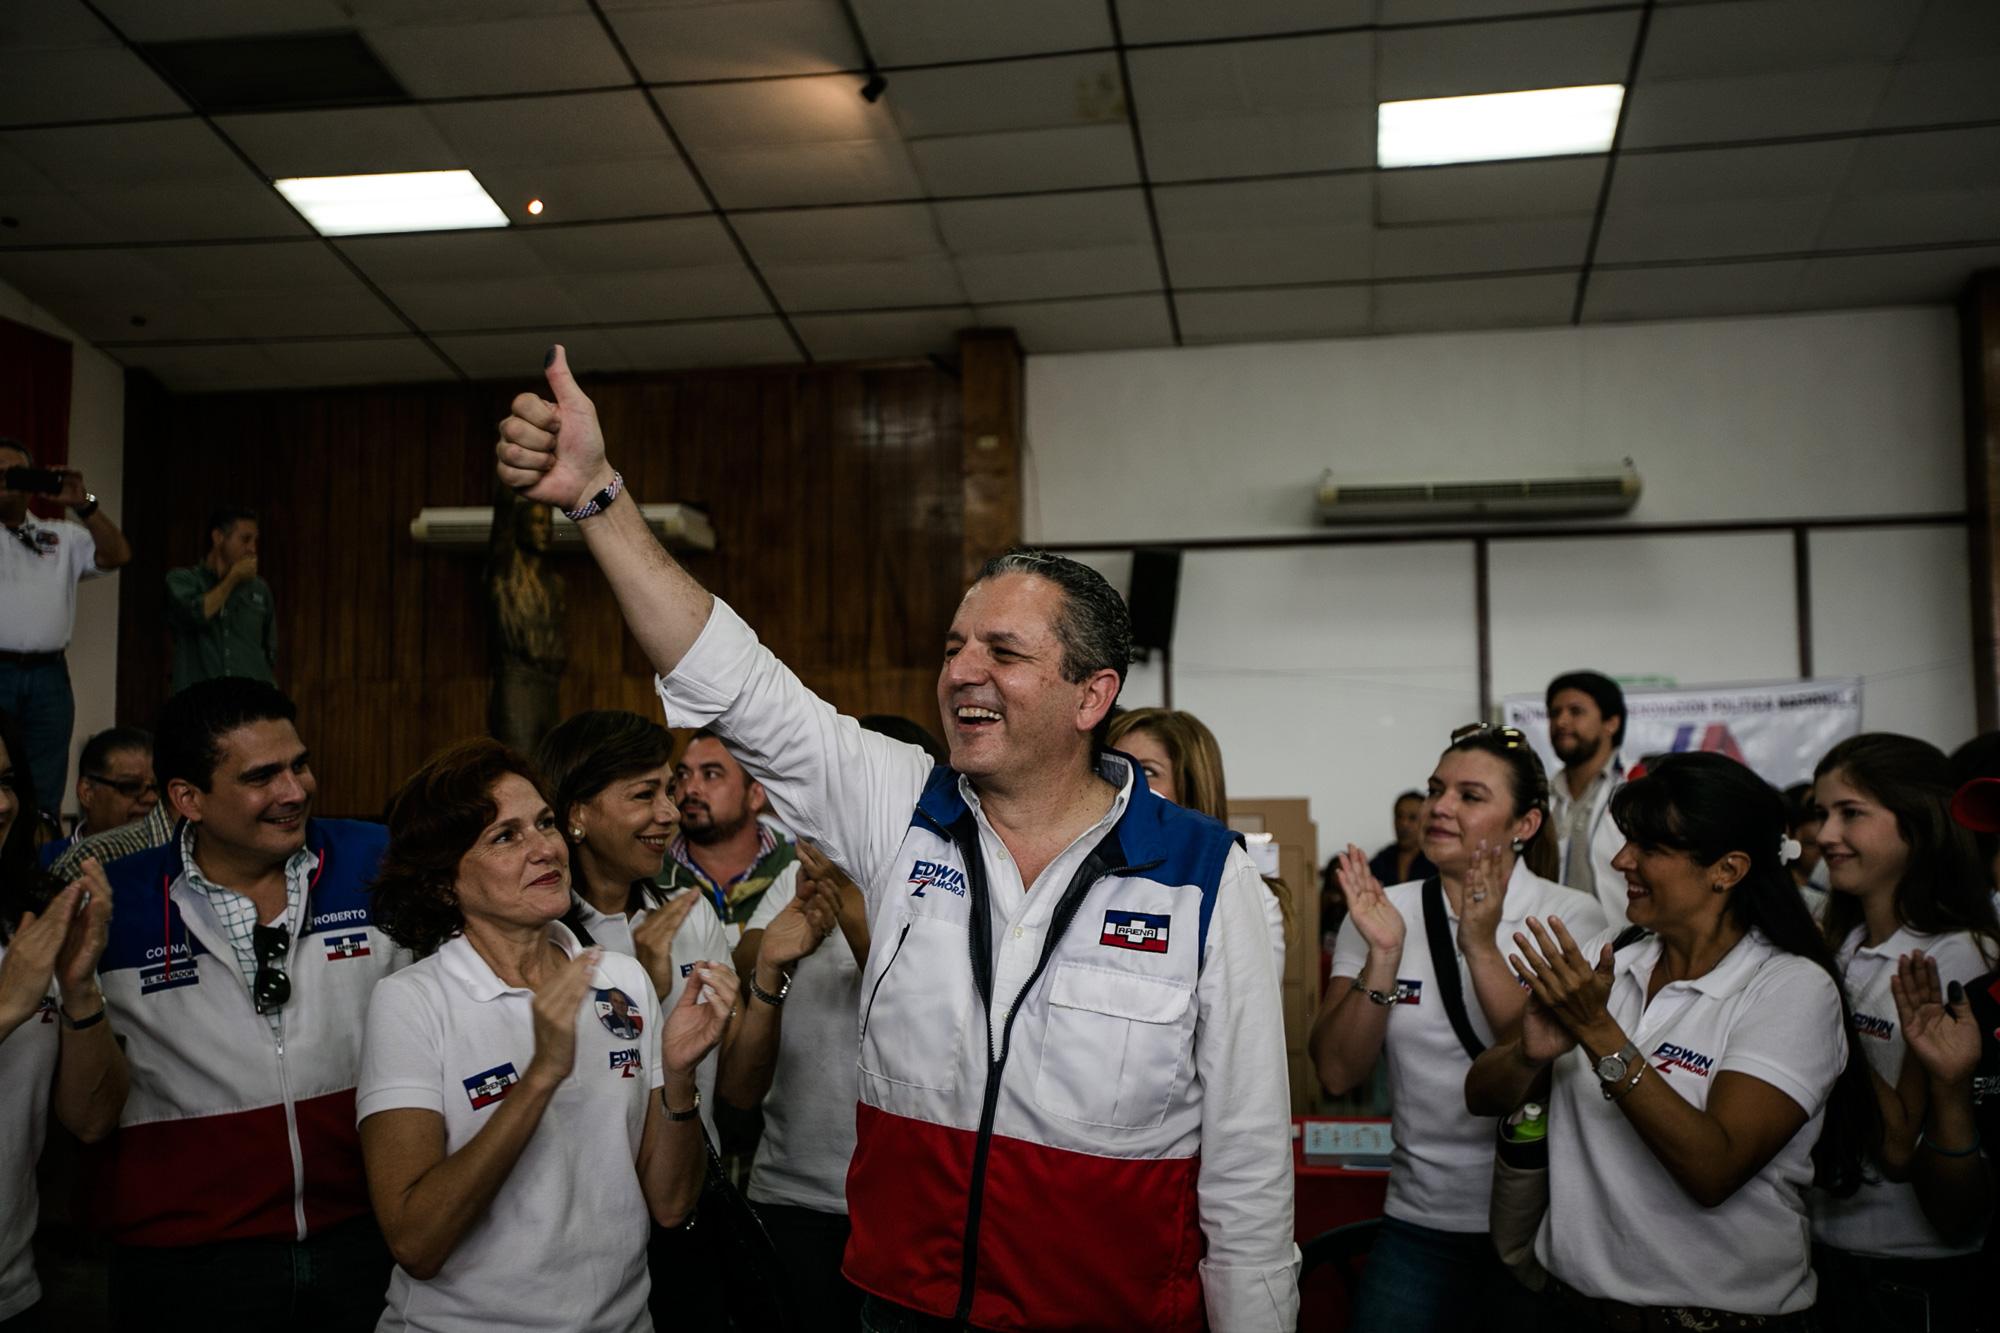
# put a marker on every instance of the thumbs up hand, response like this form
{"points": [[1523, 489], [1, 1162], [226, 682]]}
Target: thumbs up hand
{"points": [[552, 452]]}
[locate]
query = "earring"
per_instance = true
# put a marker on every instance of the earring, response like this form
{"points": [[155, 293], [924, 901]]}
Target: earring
{"points": [[1519, 846], [575, 833]]}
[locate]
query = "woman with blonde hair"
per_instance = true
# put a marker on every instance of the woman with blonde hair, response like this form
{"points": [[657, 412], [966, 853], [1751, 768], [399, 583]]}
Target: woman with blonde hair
{"points": [[1182, 763]]}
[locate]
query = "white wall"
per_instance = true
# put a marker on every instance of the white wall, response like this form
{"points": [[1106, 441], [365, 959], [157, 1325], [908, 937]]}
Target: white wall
{"points": [[97, 448], [1336, 672]]}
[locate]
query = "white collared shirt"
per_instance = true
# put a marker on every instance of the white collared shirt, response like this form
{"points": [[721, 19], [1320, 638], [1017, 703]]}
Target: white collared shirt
{"points": [[562, 1246], [1603, 839], [851, 793], [699, 940], [809, 1111], [1441, 1169], [1883, 1218], [38, 587], [1619, 1226]]}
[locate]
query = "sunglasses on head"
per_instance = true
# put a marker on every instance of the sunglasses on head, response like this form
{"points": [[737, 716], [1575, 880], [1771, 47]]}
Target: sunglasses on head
{"points": [[1509, 737], [270, 988]]}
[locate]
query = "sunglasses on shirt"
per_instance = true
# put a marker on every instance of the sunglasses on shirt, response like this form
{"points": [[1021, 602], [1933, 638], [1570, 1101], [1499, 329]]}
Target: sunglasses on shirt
{"points": [[270, 988]]}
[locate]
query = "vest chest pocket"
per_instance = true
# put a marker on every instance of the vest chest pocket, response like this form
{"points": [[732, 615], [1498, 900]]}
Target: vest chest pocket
{"points": [[1115, 1046], [913, 1010]]}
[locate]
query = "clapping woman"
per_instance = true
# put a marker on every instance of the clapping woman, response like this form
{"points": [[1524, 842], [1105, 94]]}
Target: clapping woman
{"points": [[1485, 822], [1700, 1074], [525, 1106]]}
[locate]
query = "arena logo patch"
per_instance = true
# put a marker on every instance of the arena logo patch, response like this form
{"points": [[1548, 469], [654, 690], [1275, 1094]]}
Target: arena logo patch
{"points": [[1135, 930]]}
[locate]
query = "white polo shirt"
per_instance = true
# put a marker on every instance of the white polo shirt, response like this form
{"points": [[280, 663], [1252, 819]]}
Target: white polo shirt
{"points": [[1618, 1225], [809, 1111], [1441, 1169], [27, 1072], [699, 940], [38, 586], [1883, 1218], [563, 1244]]}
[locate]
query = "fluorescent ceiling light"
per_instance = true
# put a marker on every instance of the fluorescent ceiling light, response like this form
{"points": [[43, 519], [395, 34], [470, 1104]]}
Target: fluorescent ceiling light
{"points": [[403, 201], [1546, 122]]}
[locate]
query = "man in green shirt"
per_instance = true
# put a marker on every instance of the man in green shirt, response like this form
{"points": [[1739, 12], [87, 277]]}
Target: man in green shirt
{"points": [[220, 611]]}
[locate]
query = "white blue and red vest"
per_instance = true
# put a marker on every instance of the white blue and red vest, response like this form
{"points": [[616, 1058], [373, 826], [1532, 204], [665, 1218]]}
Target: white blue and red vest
{"points": [[231, 1133], [1044, 1177]]}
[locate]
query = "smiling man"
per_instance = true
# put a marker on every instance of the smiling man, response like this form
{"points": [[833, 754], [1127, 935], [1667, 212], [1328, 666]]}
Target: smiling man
{"points": [[1073, 1103], [240, 964], [1586, 729]]}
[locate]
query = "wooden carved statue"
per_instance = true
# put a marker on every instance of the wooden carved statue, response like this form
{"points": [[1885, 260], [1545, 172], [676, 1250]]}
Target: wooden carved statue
{"points": [[525, 606]]}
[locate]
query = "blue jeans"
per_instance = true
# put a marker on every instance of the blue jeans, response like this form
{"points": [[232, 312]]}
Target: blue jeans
{"points": [[39, 698], [1420, 1280]]}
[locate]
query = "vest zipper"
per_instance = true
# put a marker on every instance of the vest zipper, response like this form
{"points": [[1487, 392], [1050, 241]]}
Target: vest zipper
{"points": [[869, 1012], [1095, 867], [292, 1134]]}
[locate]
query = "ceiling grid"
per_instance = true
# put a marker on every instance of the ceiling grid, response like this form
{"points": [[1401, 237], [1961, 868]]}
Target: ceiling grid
{"points": [[1134, 174]]}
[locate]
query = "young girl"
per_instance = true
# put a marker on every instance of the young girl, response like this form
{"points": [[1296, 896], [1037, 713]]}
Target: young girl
{"points": [[1905, 879]]}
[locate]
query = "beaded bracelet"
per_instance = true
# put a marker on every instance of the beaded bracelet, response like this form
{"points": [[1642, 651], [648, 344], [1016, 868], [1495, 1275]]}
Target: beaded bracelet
{"points": [[1924, 1141]]}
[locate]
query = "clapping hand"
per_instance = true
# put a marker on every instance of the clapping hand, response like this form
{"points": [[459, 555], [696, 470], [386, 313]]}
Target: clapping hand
{"points": [[798, 929], [1479, 912], [653, 938], [555, 1012], [696, 1023], [76, 964], [1940, 1033], [553, 452], [33, 955], [1368, 905], [1563, 982]]}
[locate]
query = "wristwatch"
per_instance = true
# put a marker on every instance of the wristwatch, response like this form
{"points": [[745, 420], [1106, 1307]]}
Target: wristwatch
{"points": [[88, 507], [680, 1116], [1613, 1069], [775, 1001]]}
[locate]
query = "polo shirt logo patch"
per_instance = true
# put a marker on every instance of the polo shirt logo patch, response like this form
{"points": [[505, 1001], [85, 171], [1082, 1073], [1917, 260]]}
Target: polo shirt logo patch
{"points": [[168, 976], [626, 1062], [620, 1018], [47, 1009], [687, 970], [1135, 930], [1669, 1057], [347, 946], [46, 539], [1408, 991], [936, 875], [490, 1085], [1870, 1026]]}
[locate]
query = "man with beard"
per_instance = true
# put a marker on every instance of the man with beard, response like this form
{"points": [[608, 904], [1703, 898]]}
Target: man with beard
{"points": [[240, 964], [1586, 727], [724, 848]]}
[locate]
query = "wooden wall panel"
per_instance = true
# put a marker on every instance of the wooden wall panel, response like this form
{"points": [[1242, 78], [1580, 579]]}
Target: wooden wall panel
{"points": [[836, 494]]}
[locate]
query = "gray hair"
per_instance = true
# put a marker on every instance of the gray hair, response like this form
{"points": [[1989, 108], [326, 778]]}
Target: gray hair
{"points": [[1093, 626]]}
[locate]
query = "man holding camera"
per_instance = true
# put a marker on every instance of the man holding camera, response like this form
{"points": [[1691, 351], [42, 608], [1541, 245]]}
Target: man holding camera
{"points": [[41, 562]]}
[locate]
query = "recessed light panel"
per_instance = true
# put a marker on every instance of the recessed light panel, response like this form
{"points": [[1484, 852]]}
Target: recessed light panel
{"points": [[1544, 122], [403, 201]]}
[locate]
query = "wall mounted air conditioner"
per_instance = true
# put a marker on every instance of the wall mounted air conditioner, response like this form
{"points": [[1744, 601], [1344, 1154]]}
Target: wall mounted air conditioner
{"points": [[1593, 493], [679, 528]]}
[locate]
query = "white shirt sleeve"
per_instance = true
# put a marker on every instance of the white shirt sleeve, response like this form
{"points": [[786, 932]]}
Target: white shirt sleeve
{"points": [[1244, 1189], [1274, 921], [402, 1053], [783, 889], [1350, 951], [847, 790], [82, 552], [1792, 1037]]}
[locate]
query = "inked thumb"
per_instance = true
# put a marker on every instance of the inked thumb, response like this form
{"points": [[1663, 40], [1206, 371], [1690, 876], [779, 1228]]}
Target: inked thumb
{"points": [[561, 383]]}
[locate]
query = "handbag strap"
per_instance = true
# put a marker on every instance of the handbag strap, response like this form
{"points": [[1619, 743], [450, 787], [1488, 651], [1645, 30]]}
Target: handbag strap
{"points": [[1444, 966]]}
